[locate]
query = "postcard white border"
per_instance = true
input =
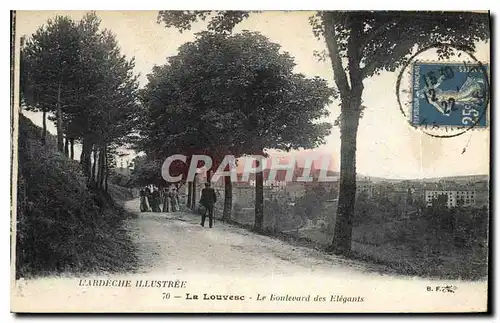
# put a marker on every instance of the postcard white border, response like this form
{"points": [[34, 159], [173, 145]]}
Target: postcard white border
{"points": [[142, 5]]}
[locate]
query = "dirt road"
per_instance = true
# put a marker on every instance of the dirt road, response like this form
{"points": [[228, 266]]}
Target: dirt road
{"points": [[228, 261], [172, 243]]}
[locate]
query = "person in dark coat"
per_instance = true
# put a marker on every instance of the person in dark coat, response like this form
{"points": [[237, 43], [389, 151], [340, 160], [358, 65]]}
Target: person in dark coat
{"points": [[208, 199]]}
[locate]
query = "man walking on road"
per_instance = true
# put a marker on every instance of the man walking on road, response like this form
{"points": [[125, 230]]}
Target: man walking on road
{"points": [[208, 199]]}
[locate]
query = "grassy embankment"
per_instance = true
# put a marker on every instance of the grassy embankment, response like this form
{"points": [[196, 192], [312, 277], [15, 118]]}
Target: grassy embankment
{"points": [[62, 226]]}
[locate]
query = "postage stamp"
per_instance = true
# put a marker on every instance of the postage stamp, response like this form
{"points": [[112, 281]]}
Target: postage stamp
{"points": [[449, 94]]}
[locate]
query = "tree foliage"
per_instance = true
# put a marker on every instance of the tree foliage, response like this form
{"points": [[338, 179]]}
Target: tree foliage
{"points": [[49, 66], [147, 172], [232, 94], [76, 72]]}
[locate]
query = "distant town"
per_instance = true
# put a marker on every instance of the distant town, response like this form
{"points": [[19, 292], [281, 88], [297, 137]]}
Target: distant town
{"points": [[467, 191]]}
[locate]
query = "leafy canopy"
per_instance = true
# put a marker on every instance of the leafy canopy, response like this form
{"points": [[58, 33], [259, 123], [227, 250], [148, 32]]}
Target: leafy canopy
{"points": [[232, 94], [82, 67], [372, 41]]}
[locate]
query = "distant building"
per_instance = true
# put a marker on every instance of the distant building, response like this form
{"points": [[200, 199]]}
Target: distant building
{"points": [[465, 198], [366, 187]]}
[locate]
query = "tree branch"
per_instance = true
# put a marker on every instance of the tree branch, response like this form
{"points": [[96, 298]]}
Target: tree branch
{"points": [[374, 34], [354, 59], [382, 59], [333, 49]]}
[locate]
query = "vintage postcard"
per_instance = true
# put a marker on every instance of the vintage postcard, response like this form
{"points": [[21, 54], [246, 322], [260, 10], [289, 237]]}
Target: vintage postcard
{"points": [[250, 162]]}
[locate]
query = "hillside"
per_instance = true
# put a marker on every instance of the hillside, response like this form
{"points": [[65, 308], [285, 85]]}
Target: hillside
{"points": [[458, 179], [62, 226]]}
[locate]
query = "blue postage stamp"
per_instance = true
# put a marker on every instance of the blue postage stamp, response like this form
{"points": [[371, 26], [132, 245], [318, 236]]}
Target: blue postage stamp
{"points": [[449, 94]]}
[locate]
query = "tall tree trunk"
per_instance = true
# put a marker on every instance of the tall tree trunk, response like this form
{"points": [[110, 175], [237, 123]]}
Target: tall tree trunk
{"points": [[66, 146], [341, 244], [98, 169], [259, 201], [102, 153], [106, 178], [350, 95], [228, 198], [106, 175], [93, 178], [106, 167], [72, 148], [60, 143], [82, 153], [103, 161], [44, 126], [193, 199], [209, 175], [189, 194], [102, 166], [85, 157]]}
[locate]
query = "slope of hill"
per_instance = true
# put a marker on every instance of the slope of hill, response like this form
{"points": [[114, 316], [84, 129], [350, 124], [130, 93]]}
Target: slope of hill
{"points": [[61, 225]]}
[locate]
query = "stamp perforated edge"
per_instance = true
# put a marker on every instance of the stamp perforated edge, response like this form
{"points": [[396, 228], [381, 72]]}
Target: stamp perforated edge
{"points": [[449, 128]]}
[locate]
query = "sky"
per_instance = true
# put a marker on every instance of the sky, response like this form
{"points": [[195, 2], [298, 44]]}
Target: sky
{"points": [[387, 146]]}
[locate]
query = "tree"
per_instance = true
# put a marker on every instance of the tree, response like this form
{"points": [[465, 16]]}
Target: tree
{"points": [[49, 64], [364, 208], [147, 171], [409, 197], [76, 71], [312, 202], [108, 109], [187, 113], [369, 42], [238, 95], [117, 115], [174, 124]]}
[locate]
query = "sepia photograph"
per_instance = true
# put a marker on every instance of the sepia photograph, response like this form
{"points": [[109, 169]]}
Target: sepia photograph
{"points": [[184, 161]]}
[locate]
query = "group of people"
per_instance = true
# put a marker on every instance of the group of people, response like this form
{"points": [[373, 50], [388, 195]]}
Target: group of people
{"points": [[167, 200], [159, 200]]}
